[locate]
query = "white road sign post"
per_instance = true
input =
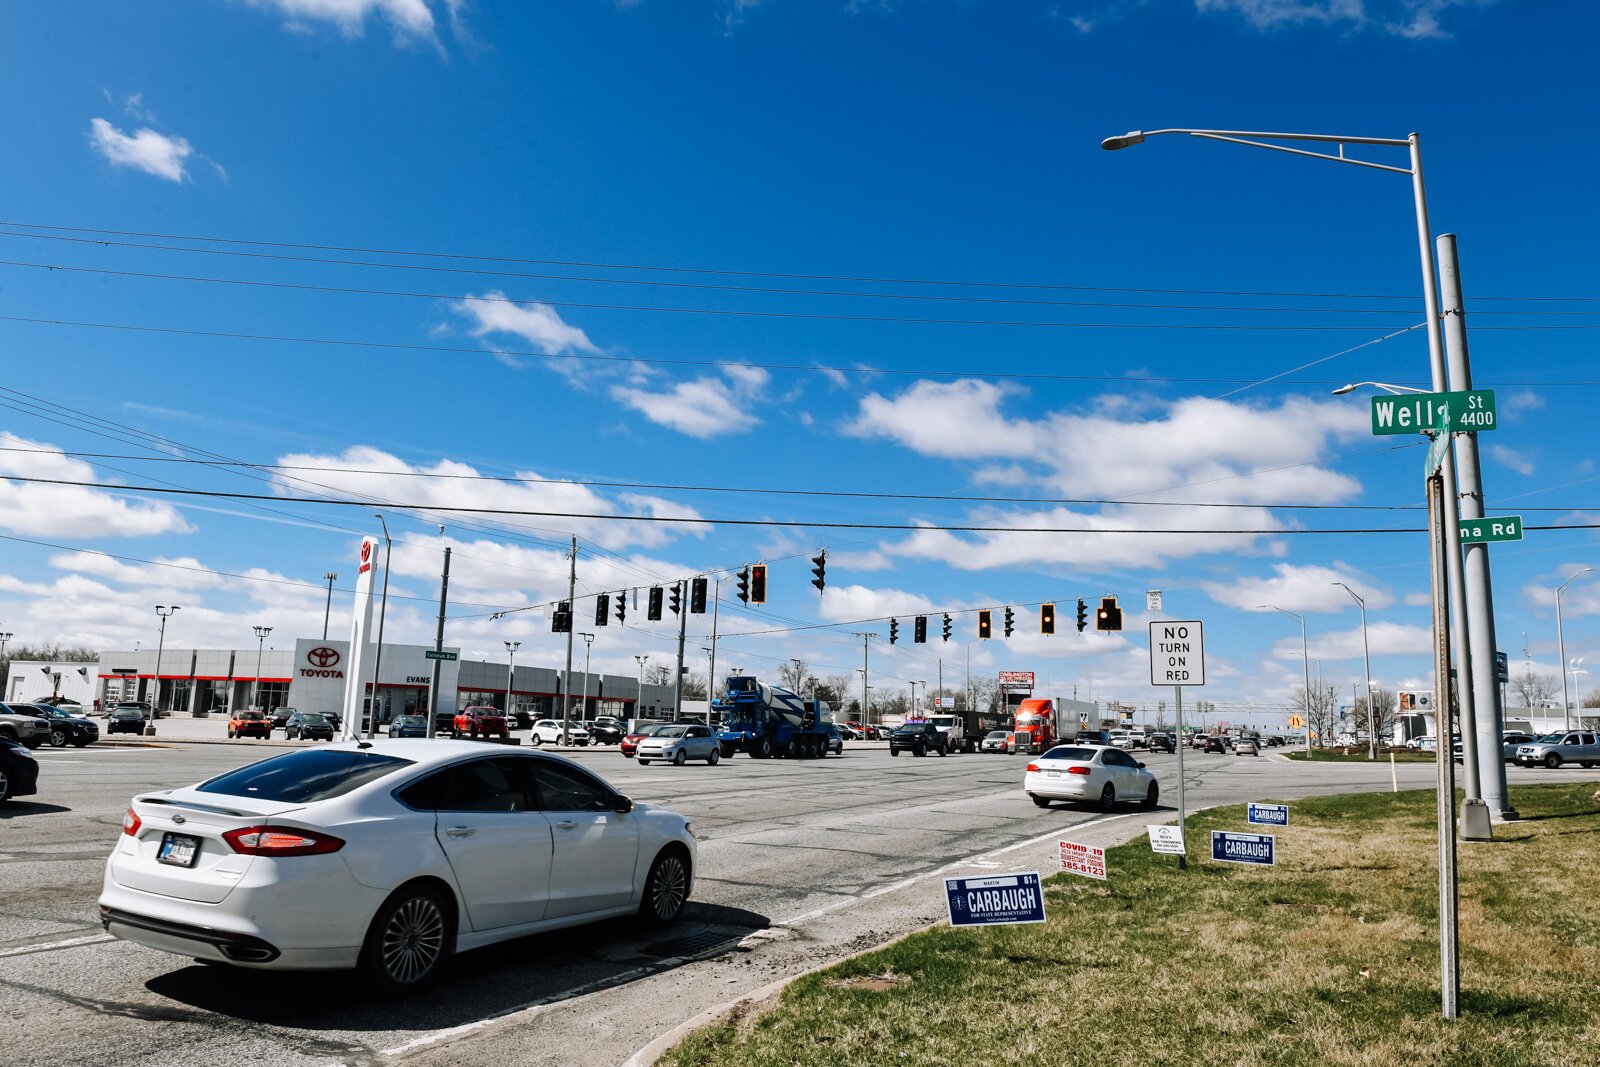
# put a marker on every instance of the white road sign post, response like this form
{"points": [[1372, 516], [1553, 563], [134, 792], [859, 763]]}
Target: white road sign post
{"points": [[360, 624], [1178, 658]]}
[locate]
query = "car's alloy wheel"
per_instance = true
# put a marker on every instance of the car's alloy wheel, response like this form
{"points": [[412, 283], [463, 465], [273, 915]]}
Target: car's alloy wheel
{"points": [[1108, 798], [408, 940], [666, 890], [1154, 795], [1552, 761], [5, 786], [679, 758], [716, 754], [58, 738]]}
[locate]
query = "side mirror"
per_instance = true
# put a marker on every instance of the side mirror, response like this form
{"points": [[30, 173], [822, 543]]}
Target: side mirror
{"points": [[621, 805], [1141, 765]]}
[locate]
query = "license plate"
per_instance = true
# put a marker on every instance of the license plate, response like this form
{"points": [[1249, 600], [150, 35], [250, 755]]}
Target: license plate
{"points": [[180, 850], [1052, 774]]}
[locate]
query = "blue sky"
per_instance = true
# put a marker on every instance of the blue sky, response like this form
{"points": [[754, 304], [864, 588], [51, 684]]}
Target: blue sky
{"points": [[804, 169]]}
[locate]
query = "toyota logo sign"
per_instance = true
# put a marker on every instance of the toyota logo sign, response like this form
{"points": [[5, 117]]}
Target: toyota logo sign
{"points": [[323, 657]]}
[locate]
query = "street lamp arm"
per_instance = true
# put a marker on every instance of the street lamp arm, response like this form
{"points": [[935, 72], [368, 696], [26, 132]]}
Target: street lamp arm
{"points": [[1393, 390], [1250, 138]]}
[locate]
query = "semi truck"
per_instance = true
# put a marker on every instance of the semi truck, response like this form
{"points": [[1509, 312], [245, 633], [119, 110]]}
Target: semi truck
{"points": [[769, 721], [1036, 717]]}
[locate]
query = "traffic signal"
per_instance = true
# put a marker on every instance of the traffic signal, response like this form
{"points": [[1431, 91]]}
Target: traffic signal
{"points": [[676, 603], [697, 596], [919, 632], [1109, 617], [1083, 615], [1047, 618], [561, 619], [894, 630], [985, 625], [947, 627], [744, 584], [820, 570], [1009, 626], [758, 584], [602, 609], [622, 608], [652, 610]]}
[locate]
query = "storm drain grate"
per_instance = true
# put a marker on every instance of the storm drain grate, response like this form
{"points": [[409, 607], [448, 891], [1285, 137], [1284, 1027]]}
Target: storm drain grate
{"points": [[693, 944]]}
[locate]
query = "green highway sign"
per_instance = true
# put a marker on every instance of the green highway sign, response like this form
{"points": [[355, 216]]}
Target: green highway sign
{"points": [[1472, 410], [1482, 531], [431, 654]]}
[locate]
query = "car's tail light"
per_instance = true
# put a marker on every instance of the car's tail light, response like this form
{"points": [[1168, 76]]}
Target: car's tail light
{"points": [[131, 824], [284, 841], [1033, 768], [1077, 770]]}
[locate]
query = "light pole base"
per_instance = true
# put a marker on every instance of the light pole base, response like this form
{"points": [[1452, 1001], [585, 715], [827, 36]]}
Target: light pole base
{"points": [[149, 729], [1505, 815], [1474, 824]]}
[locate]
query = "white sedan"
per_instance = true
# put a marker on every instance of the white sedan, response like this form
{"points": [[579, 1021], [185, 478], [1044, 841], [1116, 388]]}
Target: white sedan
{"points": [[1096, 774], [550, 730], [388, 856]]}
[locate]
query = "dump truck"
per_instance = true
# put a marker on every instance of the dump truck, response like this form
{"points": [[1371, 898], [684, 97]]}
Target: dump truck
{"points": [[769, 721]]}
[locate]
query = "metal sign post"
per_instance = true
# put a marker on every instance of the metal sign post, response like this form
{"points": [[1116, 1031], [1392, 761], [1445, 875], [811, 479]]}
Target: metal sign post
{"points": [[1178, 658], [1444, 759]]}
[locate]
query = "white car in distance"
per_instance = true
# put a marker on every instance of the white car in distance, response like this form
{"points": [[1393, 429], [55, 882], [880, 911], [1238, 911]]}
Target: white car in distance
{"points": [[1091, 774], [550, 730], [387, 856]]}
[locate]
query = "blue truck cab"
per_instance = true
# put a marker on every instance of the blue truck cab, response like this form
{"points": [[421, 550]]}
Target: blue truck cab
{"points": [[768, 721]]}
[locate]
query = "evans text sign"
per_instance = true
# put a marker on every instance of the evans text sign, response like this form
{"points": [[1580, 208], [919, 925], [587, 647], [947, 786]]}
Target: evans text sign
{"points": [[996, 900], [1177, 652]]}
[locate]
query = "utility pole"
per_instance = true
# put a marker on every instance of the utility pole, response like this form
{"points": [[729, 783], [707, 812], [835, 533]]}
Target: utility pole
{"points": [[1480, 733], [866, 638], [683, 629], [566, 683], [330, 577], [588, 639], [438, 641], [711, 676]]}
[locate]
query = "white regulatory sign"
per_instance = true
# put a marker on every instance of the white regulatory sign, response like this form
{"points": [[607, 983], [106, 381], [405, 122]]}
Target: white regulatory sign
{"points": [[1152, 600], [1177, 652]]}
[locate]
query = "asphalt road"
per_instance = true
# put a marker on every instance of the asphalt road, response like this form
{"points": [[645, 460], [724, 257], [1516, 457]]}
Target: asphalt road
{"points": [[800, 863]]}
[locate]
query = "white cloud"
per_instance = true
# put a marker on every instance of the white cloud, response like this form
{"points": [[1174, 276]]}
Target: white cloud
{"points": [[1412, 19], [410, 18], [146, 150], [1293, 588], [920, 418], [68, 510], [1387, 639], [1510, 457], [184, 572], [703, 407], [537, 324]]}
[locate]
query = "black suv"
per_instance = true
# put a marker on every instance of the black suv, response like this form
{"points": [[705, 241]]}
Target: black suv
{"points": [[308, 726], [606, 731], [65, 728], [920, 738], [1162, 743]]}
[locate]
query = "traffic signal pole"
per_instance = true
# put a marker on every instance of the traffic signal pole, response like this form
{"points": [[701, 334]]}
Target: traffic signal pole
{"points": [[683, 626], [566, 681]]}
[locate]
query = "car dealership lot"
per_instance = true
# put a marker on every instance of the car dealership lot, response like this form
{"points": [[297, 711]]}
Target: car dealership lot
{"points": [[790, 852]]}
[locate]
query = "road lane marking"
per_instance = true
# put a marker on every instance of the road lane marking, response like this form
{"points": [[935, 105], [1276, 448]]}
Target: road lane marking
{"points": [[51, 946]]}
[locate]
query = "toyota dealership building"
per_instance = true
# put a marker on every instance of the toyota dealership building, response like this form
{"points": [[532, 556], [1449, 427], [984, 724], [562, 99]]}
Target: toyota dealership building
{"points": [[311, 677]]}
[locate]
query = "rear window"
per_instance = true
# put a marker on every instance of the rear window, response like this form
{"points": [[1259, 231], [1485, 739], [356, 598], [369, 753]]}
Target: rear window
{"points": [[1078, 755], [302, 777]]}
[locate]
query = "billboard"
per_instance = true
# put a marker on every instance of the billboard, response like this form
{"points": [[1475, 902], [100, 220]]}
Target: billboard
{"points": [[1016, 680]]}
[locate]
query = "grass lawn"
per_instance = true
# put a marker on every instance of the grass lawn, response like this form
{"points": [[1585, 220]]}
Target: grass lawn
{"points": [[1330, 958], [1334, 755]]}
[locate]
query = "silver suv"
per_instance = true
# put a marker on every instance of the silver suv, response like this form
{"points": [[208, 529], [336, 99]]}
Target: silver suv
{"points": [[1564, 746], [20, 723]]}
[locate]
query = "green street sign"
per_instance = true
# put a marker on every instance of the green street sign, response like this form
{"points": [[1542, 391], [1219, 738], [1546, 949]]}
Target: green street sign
{"points": [[1483, 531], [431, 654], [1472, 410]]}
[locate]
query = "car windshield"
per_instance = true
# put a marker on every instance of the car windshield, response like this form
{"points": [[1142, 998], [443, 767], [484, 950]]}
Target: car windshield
{"points": [[1553, 739], [996, 735], [251, 715], [910, 728], [127, 713], [412, 720], [1072, 755], [302, 777], [312, 718], [670, 731]]}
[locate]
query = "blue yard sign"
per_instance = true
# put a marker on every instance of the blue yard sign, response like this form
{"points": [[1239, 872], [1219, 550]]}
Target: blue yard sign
{"points": [[995, 900], [1269, 814], [1229, 847]]}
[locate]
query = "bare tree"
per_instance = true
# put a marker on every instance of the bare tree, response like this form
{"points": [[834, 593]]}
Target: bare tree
{"points": [[985, 694], [1382, 712], [694, 687], [659, 675], [795, 676], [1591, 699], [837, 689], [1320, 708], [1532, 690]]}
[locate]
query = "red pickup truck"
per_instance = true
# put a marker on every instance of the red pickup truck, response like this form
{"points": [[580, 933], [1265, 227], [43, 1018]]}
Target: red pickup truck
{"points": [[476, 721]]}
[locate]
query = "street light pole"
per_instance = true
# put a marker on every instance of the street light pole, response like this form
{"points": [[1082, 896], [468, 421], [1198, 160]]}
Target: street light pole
{"points": [[261, 638], [383, 612], [330, 577], [161, 641], [1366, 657], [1561, 641], [1305, 660], [511, 674], [588, 639], [638, 705]]}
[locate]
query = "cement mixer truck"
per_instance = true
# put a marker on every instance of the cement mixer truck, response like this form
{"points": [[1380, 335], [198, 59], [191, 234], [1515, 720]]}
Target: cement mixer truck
{"points": [[768, 721]]}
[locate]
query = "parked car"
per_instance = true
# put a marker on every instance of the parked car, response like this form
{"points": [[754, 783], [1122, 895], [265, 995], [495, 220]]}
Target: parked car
{"points": [[19, 771], [144, 708], [1214, 743], [679, 744], [280, 716], [1563, 746], [607, 731], [125, 721], [67, 728], [919, 738], [997, 741], [308, 726], [1096, 774], [1162, 742], [629, 745], [835, 742], [1246, 746], [550, 730], [250, 724], [1511, 740], [480, 720], [24, 723], [395, 857], [409, 726]]}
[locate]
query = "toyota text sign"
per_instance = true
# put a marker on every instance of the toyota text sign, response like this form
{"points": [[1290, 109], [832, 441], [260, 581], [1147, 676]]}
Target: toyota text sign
{"points": [[1177, 653], [994, 901]]}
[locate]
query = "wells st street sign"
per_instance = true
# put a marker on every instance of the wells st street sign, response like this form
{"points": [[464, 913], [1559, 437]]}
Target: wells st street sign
{"points": [[1470, 410]]}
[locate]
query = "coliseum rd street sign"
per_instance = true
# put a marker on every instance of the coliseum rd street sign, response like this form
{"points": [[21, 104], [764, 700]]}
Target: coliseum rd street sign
{"points": [[1483, 531], [1470, 410]]}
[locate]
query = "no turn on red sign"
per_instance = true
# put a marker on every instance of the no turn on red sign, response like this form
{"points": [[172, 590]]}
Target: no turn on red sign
{"points": [[1177, 652]]}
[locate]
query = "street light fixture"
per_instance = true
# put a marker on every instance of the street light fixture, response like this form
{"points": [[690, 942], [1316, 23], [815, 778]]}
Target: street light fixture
{"points": [[1561, 640], [1366, 656], [261, 637], [1392, 390], [165, 612], [1305, 660]]}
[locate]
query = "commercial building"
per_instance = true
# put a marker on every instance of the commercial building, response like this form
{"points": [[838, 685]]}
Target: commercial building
{"points": [[311, 677]]}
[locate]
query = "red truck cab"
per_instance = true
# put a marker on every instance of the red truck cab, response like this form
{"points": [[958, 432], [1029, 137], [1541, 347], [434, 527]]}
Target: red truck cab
{"points": [[480, 721], [1037, 719]]}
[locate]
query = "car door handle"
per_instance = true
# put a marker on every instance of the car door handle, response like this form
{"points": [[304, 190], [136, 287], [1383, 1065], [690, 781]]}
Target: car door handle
{"points": [[460, 831], [566, 824]]}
